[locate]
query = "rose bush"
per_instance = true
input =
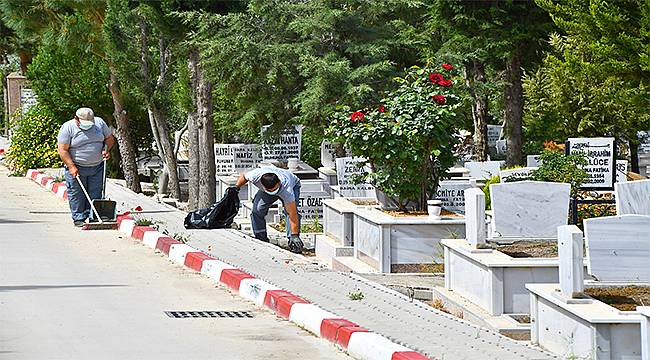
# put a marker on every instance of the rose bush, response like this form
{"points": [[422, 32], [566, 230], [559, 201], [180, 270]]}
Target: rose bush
{"points": [[407, 141]]}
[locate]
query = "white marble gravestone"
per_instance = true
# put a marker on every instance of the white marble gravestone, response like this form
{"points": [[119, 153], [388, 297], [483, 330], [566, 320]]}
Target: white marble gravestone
{"points": [[502, 147], [236, 158], [633, 197], [346, 169], [618, 248], [475, 231], [494, 133], [529, 209], [451, 192], [570, 252], [483, 169], [516, 174], [328, 154], [533, 161], [284, 146]]}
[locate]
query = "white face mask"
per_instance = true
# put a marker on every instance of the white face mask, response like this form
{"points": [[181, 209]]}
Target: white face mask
{"points": [[274, 192], [86, 125]]}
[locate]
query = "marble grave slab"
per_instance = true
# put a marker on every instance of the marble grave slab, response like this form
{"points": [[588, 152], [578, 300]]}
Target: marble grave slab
{"points": [[529, 209], [633, 197], [618, 248], [483, 169]]}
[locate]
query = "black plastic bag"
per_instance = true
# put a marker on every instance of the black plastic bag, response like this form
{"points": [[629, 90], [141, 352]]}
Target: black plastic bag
{"points": [[217, 216]]}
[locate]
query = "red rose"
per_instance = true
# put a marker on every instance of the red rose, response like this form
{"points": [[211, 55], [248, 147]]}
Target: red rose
{"points": [[448, 67], [436, 78], [381, 109], [357, 116], [441, 100], [445, 83]]}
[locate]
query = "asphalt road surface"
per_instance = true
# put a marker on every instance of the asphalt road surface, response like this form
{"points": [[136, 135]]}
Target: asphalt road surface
{"points": [[72, 294]]}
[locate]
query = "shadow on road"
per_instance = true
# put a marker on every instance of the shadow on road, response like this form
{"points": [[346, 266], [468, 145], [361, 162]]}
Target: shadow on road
{"points": [[48, 287], [14, 221]]}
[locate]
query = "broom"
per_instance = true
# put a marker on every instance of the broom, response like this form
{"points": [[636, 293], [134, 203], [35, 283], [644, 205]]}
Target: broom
{"points": [[100, 225]]}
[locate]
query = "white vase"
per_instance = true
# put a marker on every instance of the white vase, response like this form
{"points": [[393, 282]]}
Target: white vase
{"points": [[434, 207]]}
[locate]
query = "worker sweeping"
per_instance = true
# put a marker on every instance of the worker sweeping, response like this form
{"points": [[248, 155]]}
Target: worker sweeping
{"points": [[84, 143], [275, 184]]}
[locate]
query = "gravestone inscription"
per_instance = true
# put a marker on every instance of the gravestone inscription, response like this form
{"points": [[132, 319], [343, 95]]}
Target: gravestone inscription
{"points": [[236, 158], [452, 194], [347, 168], [283, 146], [601, 161]]}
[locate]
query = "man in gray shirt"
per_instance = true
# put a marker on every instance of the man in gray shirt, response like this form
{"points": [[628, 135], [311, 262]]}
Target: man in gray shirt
{"points": [[83, 143], [275, 184]]}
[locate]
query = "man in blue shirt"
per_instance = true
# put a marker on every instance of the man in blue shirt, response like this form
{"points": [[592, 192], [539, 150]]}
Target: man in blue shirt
{"points": [[275, 184], [83, 143]]}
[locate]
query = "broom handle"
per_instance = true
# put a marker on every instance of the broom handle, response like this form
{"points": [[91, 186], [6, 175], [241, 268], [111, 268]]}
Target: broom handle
{"points": [[89, 200]]}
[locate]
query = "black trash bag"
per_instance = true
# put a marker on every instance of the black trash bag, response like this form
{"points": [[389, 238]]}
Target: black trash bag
{"points": [[217, 216]]}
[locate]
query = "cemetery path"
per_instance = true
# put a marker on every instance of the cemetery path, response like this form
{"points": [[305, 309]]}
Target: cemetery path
{"points": [[72, 294], [410, 323]]}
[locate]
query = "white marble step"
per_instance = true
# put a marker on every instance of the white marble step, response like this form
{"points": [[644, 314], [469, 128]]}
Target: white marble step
{"points": [[352, 264], [328, 248]]}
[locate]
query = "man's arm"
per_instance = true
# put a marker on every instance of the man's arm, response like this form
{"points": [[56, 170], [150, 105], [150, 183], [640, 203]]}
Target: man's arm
{"points": [[241, 181], [64, 154], [109, 141], [292, 211]]}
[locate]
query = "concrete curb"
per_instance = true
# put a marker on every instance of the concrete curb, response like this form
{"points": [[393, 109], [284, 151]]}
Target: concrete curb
{"points": [[48, 183], [357, 341]]}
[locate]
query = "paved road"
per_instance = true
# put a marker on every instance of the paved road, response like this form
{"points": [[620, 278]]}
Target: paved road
{"points": [[68, 294]]}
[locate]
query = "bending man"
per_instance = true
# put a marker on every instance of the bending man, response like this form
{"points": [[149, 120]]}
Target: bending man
{"points": [[275, 184], [81, 148]]}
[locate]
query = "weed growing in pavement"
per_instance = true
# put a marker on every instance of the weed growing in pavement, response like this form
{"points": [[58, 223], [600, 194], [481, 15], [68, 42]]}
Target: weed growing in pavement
{"points": [[181, 237], [144, 222], [356, 295], [59, 179]]}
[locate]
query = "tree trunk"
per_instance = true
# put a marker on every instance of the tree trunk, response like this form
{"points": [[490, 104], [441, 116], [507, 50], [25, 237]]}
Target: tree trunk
{"points": [[480, 112], [157, 120], [207, 179], [127, 150], [514, 104], [169, 156], [25, 59], [193, 131], [634, 155]]}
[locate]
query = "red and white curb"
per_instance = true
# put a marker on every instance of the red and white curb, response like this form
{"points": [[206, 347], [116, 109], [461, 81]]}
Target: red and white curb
{"points": [[47, 182], [359, 342]]}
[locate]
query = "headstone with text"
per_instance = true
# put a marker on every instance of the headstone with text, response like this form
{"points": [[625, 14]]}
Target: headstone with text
{"points": [[328, 154], [283, 146], [494, 133], [452, 194], [28, 99], [517, 174], [601, 161], [346, 170], [236, 158]]}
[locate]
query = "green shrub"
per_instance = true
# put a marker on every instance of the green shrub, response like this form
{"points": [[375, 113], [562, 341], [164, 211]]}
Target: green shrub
{"points": [[33, 142], [557, 167], [486, 190]]}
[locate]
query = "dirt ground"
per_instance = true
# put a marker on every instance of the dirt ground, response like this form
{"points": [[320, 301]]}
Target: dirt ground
{"points": [[417, 268], [362, 202], [529, 249], [396, 213], [624, 298]]}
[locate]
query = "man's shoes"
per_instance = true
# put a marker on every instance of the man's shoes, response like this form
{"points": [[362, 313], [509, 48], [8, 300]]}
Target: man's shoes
{"points": [[79, 223]]}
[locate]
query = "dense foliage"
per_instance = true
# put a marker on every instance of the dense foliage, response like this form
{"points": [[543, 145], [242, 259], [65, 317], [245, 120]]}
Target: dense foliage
{"points": [[595, 81], [33, 144], [408, 138], [557, 167]]}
